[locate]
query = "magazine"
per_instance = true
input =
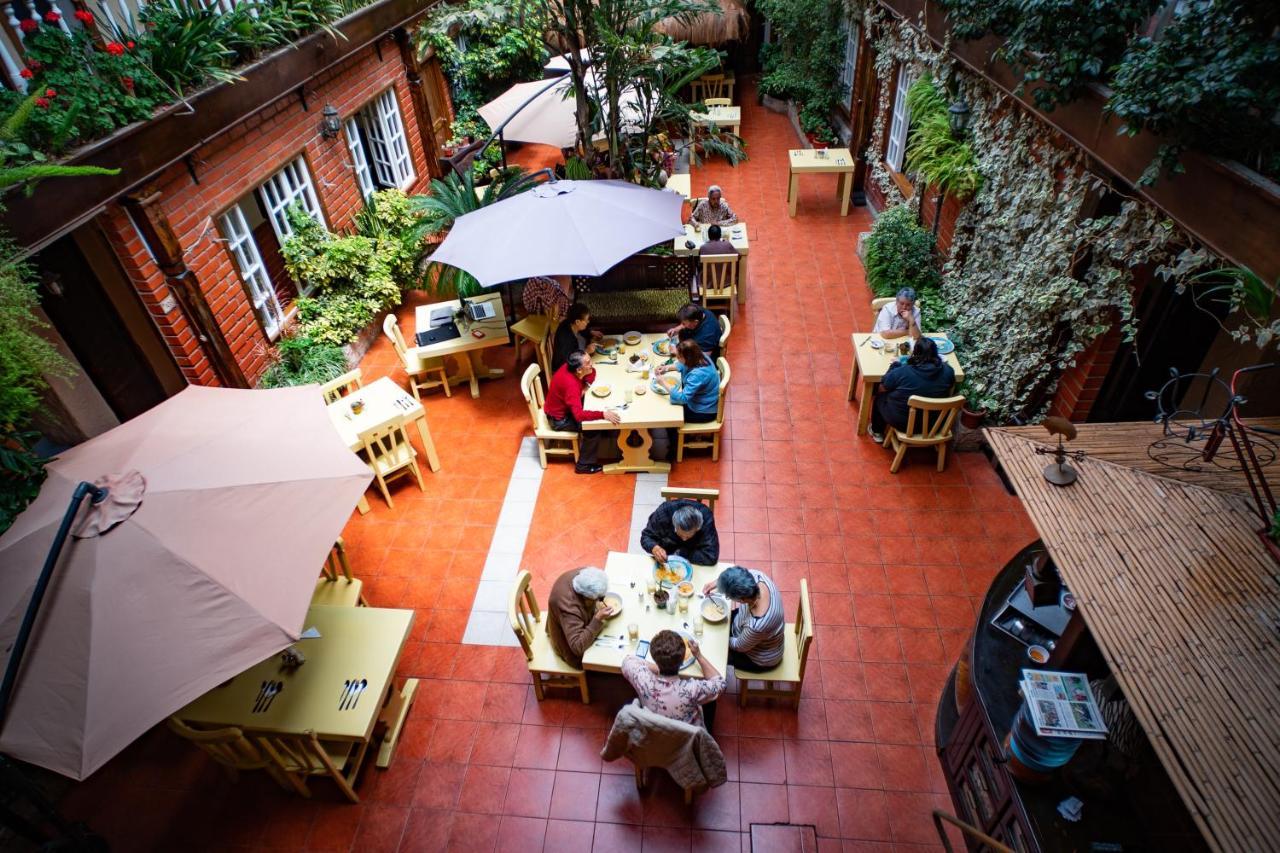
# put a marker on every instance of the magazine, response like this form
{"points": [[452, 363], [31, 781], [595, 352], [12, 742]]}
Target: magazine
{"points": [[1062, 705]]}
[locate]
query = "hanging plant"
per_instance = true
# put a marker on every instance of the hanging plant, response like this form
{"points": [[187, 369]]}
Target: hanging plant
{"points": [[933, 151]]}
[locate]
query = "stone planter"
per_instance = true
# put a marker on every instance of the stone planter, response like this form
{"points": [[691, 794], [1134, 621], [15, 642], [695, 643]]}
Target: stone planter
{"points": [[364, 341]]}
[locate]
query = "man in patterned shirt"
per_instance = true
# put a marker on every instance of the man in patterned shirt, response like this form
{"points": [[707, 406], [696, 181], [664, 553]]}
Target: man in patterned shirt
{"points": [[713, 210]]}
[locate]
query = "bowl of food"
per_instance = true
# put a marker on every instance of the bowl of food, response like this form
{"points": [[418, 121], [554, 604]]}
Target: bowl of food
{"points": [[601, 390], [685, 588], [641, 390], [1038, 654], [674, 571], [638, 358], [614, 602], [632, 338], [666, 383], [715, 609]]}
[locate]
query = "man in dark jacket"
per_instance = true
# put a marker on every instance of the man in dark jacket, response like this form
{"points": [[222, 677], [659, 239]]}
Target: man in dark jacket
{"points": [[684, 528], [924, 375]]}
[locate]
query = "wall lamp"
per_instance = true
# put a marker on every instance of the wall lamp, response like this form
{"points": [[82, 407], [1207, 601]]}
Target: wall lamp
{"points": [[330, 125]]}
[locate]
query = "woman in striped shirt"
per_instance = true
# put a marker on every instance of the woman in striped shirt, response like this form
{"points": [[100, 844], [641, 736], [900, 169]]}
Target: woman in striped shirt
{"points": [[757, 633]]}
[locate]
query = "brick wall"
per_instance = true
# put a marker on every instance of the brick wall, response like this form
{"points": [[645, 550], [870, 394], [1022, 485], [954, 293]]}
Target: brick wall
{"points": [[947, 221], [1079, 386], [232, 165]]}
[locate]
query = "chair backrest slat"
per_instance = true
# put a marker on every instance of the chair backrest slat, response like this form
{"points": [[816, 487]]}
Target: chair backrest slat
{"points": [[534, 398], [719, 272], [523, 613], [937, 416], [391, 328], [707, 496], [804, 625], [341, 386]]}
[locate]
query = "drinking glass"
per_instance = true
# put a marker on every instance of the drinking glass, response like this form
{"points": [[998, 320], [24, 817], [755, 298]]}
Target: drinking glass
{"points": [[633, 631], [697, 624], [628, 395], [651, 586], [683, 604]]}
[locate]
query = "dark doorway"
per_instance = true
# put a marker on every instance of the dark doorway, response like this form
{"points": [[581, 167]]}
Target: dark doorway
{"points": [[73, 297], [1173, 332]]}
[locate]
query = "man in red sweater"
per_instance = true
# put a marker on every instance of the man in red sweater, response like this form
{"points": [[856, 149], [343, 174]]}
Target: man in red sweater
{"points": [[564, 408]]}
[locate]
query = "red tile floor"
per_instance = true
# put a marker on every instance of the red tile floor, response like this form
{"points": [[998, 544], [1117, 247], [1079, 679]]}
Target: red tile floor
{"points": [[896, 565]]}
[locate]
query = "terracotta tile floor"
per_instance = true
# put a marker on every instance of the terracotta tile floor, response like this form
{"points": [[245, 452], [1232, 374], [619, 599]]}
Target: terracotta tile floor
{"points": [[895, 564]]}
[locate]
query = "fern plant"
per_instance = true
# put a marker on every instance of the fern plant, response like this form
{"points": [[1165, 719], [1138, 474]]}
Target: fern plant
{"points": [[933, 151]]}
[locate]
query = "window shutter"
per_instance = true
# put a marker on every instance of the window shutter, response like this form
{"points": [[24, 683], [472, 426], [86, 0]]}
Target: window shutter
{"points": [[245, 251], [359, 159]]}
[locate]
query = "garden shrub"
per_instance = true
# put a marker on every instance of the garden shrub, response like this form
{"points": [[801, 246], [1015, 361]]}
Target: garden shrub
{"points": [[899, 253], [301, 360]]}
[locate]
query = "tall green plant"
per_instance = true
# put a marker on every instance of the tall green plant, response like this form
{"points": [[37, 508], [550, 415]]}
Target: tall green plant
{"points": [[898, 253], [804, 65], [300, 360], [933, 151]]}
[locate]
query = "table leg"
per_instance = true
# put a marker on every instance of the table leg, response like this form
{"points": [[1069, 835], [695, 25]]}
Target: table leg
{"points": [[846, 181], [363, 505], [429, 446], [742, 278], [394, 714], [864, 405], [853, 377], [793, 193], [636, 459]]}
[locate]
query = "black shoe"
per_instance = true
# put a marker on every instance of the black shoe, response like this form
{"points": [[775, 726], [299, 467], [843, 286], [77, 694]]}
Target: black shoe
{"points": [[587, 469]]}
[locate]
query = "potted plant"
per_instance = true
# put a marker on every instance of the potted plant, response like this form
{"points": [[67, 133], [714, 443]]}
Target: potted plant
{"points": [[975, 410], [816, 127]]}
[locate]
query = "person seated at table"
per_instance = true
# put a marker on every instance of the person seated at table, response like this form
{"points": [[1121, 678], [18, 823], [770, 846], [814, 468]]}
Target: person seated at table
{"points": [[716, 244], [661, 689], [713, 210], [899, 318], [682, 528], [925, 374], [576, 612], [699, 325], [758, 629], [572, 335], [699, 390], [564, 409]]}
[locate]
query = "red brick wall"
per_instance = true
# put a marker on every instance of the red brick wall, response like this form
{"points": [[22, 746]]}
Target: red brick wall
{"points": [[232, 165], [1080, 384], [947, 221]]}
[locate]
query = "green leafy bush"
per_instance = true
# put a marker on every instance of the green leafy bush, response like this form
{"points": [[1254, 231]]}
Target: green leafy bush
{"points": [[899, 253], [301, 360], [804, 65], [933, 152]]}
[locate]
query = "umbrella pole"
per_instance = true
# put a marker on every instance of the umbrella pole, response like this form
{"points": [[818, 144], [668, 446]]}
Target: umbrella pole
{"points": [[12, 780]]}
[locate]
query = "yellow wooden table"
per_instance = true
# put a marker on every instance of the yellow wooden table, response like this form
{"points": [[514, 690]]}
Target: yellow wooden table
{"points": [[735, 234], [467, 350], [646, 412], [623, 570], [385, 403], [725, 117], [361, 643], [818, 161], [682, 184], [872, 364]]}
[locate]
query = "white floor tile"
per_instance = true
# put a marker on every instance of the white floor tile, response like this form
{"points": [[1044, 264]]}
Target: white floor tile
{"points": [[492, 596]]}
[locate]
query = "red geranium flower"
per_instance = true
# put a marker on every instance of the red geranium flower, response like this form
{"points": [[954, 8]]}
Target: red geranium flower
{"points": [[26, 74], [115, 48], [50, 93], [42, 103], [129, 45], [84, 17], [52, 17], [29, 25], [128, 84]]}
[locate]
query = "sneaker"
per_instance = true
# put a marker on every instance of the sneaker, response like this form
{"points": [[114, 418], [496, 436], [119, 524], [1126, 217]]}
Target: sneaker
{"points": [[587, 469], [877, 437]]}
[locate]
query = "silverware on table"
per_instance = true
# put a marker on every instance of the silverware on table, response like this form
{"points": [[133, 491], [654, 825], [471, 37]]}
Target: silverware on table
{"points": [[262, 693], [359, 690], [342, 697]]}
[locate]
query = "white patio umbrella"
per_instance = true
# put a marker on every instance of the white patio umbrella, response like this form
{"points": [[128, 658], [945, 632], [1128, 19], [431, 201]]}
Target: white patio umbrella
{"points": [[545, 112], [222, 506], [560, 228], [559, 64]]}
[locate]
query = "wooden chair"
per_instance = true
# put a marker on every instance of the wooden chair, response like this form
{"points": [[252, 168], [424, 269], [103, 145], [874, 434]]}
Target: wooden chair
{"points": [[879, 302], [389, 454], [536, 329], [719, 280], [937, 417], [228, 747], [341, 386], [416, 367], [332, 591], [706, 496], [550, 441], [301, 756], [717, 102], [725, 328], [710, 86], [546, 667], [785, 680], [702, 436]]}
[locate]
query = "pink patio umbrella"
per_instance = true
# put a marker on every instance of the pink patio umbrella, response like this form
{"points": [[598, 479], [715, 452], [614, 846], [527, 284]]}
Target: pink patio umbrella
{"points": [[561, 228], [201, 562]]}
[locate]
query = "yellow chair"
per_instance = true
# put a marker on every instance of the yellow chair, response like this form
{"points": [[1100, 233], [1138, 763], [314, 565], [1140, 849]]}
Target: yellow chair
{"points": [[725, 328], [880, 302], [332, 591], [550, 441], [546, 667], [706, 496], [301, 756], [702, 436], [341, 386], [711, 86], [228, 747], [719, 280], [785, 680], [389, 454], [414, 365], [937, 418], [536, 329]]}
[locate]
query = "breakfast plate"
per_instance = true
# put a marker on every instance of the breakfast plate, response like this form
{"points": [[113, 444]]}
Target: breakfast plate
{"points": [[675, 570], [601, 390], [945, 346], [666, 383], [664, 347]]}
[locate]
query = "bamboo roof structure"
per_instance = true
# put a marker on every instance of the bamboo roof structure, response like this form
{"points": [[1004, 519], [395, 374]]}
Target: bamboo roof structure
{"points": [[731, 24], [1183, 600]]}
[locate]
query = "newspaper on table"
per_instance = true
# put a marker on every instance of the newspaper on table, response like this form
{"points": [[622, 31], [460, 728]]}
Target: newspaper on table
{"points": [[1062, 705]]}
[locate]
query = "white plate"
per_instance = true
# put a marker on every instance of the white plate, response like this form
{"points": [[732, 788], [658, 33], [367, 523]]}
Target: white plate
{"points": [[601, 390], [876, 343], [715, 599], [632, 338]]}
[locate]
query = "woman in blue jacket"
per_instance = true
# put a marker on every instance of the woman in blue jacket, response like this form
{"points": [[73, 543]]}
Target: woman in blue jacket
{"points": [[699, 390]]}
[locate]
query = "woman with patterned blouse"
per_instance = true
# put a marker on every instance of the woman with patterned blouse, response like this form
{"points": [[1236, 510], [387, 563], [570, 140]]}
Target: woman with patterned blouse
{"points": [[713, 210], [662, 690]]}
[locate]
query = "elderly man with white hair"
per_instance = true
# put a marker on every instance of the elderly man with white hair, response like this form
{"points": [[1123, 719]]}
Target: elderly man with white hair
{"points": [[713, 210], [576, 612], [899, 318]]}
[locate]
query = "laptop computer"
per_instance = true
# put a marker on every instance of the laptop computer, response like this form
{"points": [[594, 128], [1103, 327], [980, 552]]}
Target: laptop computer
{"points": [[478, 311], [447, 332]]}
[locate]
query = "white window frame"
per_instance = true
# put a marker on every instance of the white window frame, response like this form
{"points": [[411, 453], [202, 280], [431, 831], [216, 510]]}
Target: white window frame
{"points": [[280, 191], [244, 249], [359, 160], [852, 33], [896, 148], [388, 146]]}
